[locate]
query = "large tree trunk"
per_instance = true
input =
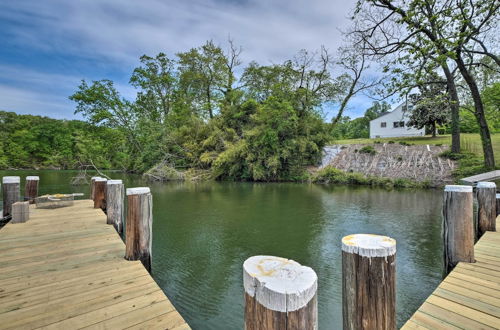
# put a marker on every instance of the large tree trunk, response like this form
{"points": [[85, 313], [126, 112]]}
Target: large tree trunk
{"points": [[455, 108], [484, 131], [434, 129]]}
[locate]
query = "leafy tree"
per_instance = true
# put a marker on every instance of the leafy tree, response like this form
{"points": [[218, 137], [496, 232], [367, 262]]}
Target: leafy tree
{"points": [[430, 108]]}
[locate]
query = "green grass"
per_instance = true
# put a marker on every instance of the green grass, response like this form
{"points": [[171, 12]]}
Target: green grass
{"points": [[470, 142]]}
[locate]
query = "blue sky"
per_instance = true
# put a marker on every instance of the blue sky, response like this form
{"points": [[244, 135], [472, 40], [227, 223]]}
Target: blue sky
{"points": [[47, 47]]}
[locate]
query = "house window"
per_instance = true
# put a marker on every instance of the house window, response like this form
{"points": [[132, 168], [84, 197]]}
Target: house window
{"points": [[383, 124], [397, 124]]}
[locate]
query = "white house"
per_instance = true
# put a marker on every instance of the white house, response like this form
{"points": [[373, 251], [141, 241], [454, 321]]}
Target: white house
{"points": [[393, 124]]}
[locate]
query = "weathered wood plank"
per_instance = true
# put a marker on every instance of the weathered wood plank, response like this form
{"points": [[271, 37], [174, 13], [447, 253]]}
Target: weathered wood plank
{"points": [[65, 268]]}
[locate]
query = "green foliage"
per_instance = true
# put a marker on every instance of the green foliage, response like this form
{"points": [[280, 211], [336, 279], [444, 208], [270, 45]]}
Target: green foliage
{"points": [[32, 141], [368, 150], [451, 155], [404, 143]]}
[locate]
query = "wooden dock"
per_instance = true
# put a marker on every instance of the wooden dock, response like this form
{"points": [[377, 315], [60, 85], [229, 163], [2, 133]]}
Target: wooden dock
{"points": [[469, 297], [65, 269]]}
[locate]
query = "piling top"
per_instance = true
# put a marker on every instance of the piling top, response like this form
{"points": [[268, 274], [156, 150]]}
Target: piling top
{"points": [[138, 191], [457, 188], [484, 184], [32, 178], [11, 179], [94, 177], [279, 284], [99, 179], [369, 245], [115, 182]]}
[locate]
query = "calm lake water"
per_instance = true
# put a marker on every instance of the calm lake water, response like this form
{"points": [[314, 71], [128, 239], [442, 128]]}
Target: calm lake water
{"points": [[202, 234]]}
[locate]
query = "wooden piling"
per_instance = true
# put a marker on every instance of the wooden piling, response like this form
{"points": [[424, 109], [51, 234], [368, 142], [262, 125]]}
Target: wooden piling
{"points": [[498, 205], [486, 207], [31, 188], [11, 193], [92, 186], [458, 226], [368, 282], [100, 193], [114, 204], [139, 226], [279, 294], [20, 212]]}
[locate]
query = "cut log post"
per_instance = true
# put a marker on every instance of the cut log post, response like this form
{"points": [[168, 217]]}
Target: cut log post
{"points": [[458, 226], [31, 188], [139, 226], [368, 282], [486, 207], [114, 204], [92, 186], [100, 193], [279, 294], [498, 205], [20, 212], [11, 193]]}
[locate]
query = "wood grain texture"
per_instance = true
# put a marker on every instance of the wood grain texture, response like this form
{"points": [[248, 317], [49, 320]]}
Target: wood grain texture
{"points": [[458, 228], [11, 194], [114, 205], [139, 226], [68, 272], [469, 297], [20, 212], [100, 195], [368, 292], [31, 190], [279, 294], [486, 210]]}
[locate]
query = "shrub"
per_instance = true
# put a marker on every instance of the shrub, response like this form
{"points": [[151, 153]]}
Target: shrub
{"points": [[451, 155], [390, 142], [377, 142], [368, 150], [404, 143]]}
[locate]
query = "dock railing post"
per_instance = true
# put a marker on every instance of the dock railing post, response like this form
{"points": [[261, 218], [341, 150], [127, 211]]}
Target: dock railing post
{"points": [[279, 294], [486, 207], [139, 226], [100, 193], [368, 282], [20, 212], [114, 204], [31, 188], [458, 226], [11, 193]]}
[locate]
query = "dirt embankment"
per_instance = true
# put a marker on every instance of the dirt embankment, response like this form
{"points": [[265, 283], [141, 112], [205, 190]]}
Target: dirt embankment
{"points": [[415, 162]]}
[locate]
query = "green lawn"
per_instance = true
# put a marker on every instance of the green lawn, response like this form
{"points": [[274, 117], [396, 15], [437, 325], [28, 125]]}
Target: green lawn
{"points": [[469, 142]]}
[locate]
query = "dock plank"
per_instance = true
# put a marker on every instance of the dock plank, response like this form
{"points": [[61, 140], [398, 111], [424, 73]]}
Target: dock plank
{"points": [[469, 297], [65, 269]]}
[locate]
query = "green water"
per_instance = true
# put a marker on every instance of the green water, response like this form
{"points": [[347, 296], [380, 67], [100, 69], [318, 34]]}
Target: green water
{"points": [[202, 233]]}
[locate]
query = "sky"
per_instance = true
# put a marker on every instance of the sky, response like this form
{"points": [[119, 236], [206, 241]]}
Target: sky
{"points": [[47, 47]]}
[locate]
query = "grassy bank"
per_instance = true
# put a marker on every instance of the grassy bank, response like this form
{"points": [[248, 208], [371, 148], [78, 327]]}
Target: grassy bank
{"points": [[470, 142]]}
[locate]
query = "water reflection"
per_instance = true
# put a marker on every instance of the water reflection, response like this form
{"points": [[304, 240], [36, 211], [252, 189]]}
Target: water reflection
{"points": [[203, 233]]}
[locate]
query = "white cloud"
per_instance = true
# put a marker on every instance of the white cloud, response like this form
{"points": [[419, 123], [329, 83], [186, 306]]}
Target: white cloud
{"points": [[112, 34]]}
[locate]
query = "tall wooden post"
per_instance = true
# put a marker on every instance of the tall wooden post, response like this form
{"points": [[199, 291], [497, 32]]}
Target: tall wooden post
{"points": [[31, 188], [92, 186], [279, 294], [11, 193], [458, 226], [486, 207], [498, 205], [368, 282], [20, 212], [100, 193], [139, 226], [114, 204]]}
